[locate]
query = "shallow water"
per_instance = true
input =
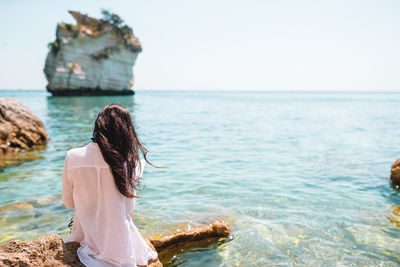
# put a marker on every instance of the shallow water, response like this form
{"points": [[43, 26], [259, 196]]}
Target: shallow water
{"points": [[301, 177]]}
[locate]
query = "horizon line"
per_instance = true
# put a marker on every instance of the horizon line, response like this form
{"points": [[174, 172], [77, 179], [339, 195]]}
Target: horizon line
{"points": [[239, 90]]}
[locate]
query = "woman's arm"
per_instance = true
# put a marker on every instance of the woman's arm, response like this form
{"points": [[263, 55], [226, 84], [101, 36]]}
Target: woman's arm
{"points": [[67, 187]]}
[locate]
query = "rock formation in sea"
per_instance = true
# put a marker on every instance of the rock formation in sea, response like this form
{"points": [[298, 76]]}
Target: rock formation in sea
{"points": [[50, 250], [94, 57], [395, 173], [20, 129]]}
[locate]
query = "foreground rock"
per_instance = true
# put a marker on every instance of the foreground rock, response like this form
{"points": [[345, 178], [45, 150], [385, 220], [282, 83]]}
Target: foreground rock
{"points": [[94, 57], [395, 173], [20, 129], [50, 250], [170, 245]]}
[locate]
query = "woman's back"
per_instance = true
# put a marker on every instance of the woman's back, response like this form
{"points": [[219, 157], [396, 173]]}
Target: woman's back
{"points": [[102, 223]]}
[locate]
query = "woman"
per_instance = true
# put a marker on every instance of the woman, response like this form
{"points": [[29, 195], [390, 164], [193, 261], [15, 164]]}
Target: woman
{"points": [[99, 182]]}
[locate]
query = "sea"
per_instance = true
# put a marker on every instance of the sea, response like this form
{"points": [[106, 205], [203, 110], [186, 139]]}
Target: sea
{"points": [[302, 177]]}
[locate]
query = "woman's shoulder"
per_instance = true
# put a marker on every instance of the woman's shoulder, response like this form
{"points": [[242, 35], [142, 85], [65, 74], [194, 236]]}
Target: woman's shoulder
{"points": [[84, 151], [76, 151], [86, 156]]}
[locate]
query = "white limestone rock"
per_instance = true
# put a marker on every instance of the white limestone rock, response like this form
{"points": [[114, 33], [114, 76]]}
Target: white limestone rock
{"points": [[93, 57]]}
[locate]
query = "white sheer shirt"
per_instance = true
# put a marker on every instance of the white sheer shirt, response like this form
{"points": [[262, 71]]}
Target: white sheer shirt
{"points": [[102, 223]]}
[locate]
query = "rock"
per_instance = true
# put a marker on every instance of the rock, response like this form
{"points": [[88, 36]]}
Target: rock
{"points": [[394, 217], [395, 173], [93, 57], [216, 229], [182, 241], [50, 250], [20, 128]]}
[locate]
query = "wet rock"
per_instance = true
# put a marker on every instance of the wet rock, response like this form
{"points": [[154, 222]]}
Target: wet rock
{"points": [[50, 250], [20, 129], [395, 173], [183, 241], [394, 217], [217, 229], [19, 206]]}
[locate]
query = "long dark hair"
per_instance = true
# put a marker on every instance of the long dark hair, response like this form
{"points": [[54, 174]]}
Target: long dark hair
{"points": [[116, 137]]}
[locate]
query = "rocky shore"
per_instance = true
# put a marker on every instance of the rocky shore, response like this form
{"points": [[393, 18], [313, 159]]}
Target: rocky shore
{"points": [[395, 173], [50, 250], [20, 130]]}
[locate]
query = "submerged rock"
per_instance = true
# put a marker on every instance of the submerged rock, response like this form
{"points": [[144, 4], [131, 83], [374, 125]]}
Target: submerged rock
{"points": [[20, 129], [395, 173], [94, 57], [50, 250]]}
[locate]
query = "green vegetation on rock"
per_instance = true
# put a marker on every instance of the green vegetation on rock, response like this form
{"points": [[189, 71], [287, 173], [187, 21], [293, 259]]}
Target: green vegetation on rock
{"points": [[124, 31], [54, 46]]}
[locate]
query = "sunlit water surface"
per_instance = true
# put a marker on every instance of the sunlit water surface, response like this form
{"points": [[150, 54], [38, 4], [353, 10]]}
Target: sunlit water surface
{"points": [[301, 177]]}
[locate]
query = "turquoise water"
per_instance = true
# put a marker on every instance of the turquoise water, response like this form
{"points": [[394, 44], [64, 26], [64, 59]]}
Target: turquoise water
{"points": [[301, 177]]}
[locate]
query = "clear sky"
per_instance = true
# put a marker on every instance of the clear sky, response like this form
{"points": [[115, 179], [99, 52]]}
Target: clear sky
{"points": [[351, 45]]}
